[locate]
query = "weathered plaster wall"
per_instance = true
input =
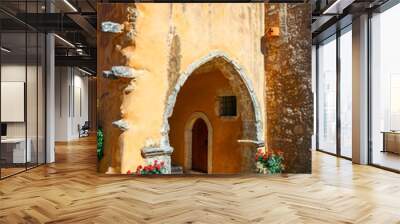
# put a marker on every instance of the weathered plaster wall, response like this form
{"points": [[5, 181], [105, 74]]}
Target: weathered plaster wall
{"points": [[169, 37], [289, 99], [109, 92]]}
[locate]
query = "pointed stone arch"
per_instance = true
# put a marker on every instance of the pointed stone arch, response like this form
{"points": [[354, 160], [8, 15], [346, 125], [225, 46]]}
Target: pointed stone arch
{"points": [[171, 100]]}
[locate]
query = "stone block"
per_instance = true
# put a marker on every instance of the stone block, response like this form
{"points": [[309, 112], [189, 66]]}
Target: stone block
{"points": [[111, 27]]}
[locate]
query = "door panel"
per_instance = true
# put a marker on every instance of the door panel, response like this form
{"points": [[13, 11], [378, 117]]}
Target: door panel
{"points": [[200, 146]]}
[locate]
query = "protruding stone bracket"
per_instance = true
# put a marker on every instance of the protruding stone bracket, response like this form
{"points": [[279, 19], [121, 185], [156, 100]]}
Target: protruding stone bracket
{"points": [[111, 27], [126, 72], [121, 124], [155, 151], [122, 72], [258, 144]]}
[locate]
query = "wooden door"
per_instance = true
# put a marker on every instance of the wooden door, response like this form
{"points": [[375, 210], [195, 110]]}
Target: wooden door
{"points": [[200, 146]]}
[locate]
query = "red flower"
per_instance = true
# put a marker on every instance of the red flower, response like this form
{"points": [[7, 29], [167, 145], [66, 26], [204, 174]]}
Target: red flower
{"points": [[265, 157], [154, 168], [129, 172]]}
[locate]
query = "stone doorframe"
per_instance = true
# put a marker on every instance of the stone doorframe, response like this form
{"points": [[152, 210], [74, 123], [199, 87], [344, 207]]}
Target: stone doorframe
{"points": [[164, 143], [188, 140]]}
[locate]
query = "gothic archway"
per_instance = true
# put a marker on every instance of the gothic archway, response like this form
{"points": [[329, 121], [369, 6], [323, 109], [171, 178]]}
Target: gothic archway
{"points": [[249, 117], [171, 100]]}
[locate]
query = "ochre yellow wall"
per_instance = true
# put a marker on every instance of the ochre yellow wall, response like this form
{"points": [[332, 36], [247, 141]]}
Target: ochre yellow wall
{"points": [[200, 94], [235, 29]]}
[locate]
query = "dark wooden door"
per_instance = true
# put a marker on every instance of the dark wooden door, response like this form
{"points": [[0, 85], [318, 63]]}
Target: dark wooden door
{"points": [[199, 146]]}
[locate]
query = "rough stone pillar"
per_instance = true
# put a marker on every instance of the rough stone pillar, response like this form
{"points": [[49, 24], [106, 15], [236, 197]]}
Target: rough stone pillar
{"points": [[110, 91], [289, 96]]}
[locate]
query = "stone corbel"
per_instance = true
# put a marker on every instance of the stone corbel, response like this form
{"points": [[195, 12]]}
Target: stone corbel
{"points": [[126, 72], [111, 27], [121, 124], [258, 144], [122, 72], [156, 151]]}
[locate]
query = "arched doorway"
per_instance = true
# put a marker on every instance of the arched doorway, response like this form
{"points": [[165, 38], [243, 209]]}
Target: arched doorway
{"points": [[217, 87], [200, 146], [198, 136]]}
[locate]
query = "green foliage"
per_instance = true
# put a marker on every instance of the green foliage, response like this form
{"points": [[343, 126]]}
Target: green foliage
{"points": [[269, 163], [274, 164], [100, 142]]}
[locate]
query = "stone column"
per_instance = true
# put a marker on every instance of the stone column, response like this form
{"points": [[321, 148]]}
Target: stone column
{"points": [[289, 98]]}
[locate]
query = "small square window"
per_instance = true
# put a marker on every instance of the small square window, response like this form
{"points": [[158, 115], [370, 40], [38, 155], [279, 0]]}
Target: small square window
{"points": [[227, 106]]}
